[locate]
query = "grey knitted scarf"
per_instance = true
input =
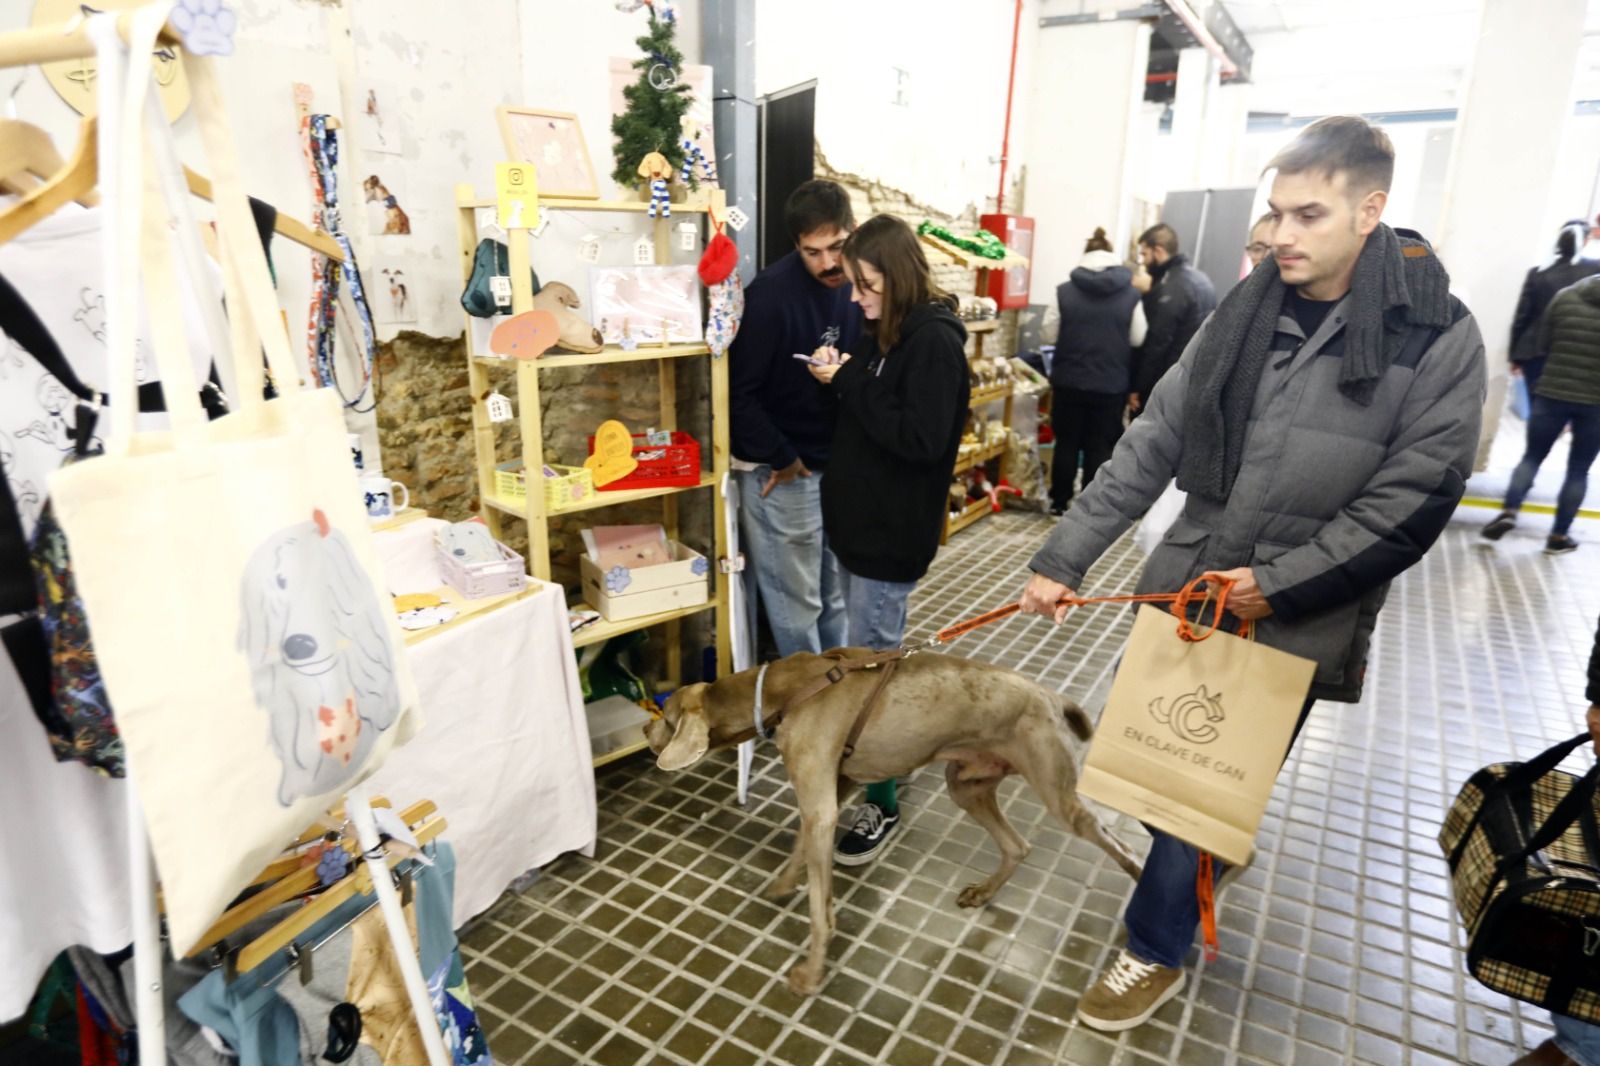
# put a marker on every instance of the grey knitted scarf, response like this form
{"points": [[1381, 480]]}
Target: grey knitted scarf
{"points": [[1398, 283]]}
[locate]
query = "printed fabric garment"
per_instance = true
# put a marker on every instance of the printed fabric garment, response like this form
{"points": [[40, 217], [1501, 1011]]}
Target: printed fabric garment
{"points": [[271, 1019], [78, 718]]}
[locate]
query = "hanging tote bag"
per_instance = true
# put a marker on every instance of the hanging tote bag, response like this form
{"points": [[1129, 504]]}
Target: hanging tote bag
{"points": [[1524, 855], [1194, 732], [227, 568]]}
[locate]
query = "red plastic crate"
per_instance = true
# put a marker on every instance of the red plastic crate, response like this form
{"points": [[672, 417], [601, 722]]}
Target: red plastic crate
{"points": [[678, 466]]}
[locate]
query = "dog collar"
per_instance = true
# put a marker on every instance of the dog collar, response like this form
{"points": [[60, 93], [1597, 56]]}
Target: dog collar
{"points": [[761, 677]]}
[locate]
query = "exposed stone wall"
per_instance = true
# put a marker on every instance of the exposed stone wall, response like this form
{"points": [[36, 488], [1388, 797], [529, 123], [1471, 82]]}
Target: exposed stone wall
{"points": [[425, 432]]}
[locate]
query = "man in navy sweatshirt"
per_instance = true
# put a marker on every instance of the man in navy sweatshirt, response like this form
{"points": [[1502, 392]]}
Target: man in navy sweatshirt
{"points": [[782, 420]]}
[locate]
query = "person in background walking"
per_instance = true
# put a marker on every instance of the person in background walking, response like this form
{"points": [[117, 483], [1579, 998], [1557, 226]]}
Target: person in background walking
{"points": [[1179, 299], [902, 404], [1102, 321], [1568, 394], [1538, 289]]}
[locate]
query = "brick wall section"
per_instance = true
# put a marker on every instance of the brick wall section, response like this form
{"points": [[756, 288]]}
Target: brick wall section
{"points": [[869, 197]]}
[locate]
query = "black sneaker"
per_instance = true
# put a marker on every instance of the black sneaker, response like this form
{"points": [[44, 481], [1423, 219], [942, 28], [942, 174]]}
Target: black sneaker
{"points": [[867, 837], [1559, 544], [1500, 526]]}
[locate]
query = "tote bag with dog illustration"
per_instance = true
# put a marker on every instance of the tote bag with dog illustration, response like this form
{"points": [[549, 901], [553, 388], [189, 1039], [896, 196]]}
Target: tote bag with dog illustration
{"points": [[226, 567], [1193, 733]]}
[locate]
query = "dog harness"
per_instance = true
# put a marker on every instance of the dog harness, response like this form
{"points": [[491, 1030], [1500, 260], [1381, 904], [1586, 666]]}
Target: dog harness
{"points": [[884, 662]]}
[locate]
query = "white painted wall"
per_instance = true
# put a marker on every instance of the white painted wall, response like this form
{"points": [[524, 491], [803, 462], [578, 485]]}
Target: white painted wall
{"points": [[1085, 132], [939, 147]]}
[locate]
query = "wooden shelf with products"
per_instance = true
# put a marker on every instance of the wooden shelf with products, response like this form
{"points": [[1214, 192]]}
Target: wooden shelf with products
{"points": [[979, 330], [532, 508]]}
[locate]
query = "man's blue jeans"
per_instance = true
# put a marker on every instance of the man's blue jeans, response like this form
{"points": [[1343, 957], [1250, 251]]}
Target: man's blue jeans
{"points": [[1579, 1040], [796, 575], [1545, 423], [1164, 912], [876, 610]]}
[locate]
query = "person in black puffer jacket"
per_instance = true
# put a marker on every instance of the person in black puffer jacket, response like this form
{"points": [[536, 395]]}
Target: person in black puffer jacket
{"points": [[1538, 289], [902, 405], [1102, 321], [1179, 300], [1568, 395]]}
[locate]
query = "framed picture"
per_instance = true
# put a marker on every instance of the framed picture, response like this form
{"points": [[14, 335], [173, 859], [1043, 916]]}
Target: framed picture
{"points": [[553, 142], [647, 303]]}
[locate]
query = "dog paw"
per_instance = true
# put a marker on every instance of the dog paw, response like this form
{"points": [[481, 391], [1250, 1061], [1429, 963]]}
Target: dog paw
{"points": [[803, 982], [778, 892], [974, 896]]}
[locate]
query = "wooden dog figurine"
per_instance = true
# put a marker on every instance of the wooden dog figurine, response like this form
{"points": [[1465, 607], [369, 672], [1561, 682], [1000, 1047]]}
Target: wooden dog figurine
{"points": [[985, 722]]}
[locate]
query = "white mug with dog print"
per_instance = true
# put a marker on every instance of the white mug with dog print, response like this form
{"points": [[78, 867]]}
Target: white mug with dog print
{"points": [[378, 496]]}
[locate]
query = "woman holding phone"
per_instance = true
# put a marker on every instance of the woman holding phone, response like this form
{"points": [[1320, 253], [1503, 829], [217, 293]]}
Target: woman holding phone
{"points": [[902, 405]]}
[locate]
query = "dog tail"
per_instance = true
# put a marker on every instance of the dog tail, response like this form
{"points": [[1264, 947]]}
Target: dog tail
{"points": [[1077, 719]]}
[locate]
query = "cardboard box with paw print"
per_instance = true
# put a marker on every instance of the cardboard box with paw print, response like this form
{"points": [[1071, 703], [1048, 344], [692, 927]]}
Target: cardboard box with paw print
{"points": [[640, 572]]}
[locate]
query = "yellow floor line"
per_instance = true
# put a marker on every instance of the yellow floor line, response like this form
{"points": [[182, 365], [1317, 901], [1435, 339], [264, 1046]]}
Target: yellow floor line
{"points": [[1528, 508]]}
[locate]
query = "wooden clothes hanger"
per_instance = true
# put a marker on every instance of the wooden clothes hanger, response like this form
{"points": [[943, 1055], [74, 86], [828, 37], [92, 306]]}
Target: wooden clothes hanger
{"points": [[76, 180], [356, 883], [286, 226]]}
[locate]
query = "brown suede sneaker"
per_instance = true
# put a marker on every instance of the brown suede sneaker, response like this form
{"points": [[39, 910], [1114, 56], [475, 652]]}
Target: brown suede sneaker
{"points": [[1128, 993], [1546, 1054]]}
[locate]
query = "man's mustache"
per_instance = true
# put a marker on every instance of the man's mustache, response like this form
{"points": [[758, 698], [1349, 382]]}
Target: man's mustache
{"points": [[832, 272]]}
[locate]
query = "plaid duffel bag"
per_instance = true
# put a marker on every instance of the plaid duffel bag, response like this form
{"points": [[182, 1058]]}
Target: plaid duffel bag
{"points": [[1524, 858]]}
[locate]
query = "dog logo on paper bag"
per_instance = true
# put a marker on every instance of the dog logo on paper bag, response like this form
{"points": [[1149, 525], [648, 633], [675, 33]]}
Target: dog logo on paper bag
{"points": [[321, 664], [1192, 716]]}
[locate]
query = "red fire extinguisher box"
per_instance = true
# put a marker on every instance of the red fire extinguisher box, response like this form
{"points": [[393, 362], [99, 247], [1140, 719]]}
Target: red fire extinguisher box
{"points": [[1009, 288]]}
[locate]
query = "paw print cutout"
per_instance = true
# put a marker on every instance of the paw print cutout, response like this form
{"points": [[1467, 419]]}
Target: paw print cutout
{"points": [[618, 578], [206, 25]]}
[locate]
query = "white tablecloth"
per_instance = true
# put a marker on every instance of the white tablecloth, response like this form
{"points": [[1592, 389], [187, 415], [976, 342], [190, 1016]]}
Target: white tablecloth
{"points": [[504, 748], [504, 752]]}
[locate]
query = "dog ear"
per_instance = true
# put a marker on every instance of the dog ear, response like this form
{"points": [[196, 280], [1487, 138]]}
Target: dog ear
{"points": [[691, 737]]}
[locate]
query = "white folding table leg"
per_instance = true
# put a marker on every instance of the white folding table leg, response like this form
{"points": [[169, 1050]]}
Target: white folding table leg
{"points": [[747, 752]]}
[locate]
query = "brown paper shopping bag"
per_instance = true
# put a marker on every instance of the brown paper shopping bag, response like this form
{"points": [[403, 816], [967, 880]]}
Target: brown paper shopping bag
{"points": [[1194, 732]]}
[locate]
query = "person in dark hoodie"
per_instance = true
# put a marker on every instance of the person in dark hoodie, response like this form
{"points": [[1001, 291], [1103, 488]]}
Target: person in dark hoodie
{"points": [[1538, 289], [902, 404], [1179, 300], [1102, 322]]}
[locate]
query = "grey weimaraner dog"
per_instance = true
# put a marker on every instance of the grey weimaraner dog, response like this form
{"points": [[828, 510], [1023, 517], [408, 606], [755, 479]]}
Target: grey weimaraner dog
{"points": [[984, 721]]}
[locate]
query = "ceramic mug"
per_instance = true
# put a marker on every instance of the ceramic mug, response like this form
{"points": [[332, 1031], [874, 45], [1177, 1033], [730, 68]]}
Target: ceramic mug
{"points": [[377, 494], [356, 455]]}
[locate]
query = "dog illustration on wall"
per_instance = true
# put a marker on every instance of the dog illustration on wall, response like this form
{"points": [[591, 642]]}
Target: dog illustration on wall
{"points": [[320, 659], [395, 220]]}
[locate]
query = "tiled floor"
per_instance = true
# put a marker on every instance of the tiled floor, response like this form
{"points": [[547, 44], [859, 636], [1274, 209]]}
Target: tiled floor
{"points": [[1338, 945]]}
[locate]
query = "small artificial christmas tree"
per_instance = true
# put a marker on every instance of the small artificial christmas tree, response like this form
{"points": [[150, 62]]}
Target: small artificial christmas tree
{"points": [[657, 101]]}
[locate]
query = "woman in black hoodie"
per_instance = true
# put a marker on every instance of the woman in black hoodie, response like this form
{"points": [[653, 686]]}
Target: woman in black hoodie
{"points": [[902, 405]]}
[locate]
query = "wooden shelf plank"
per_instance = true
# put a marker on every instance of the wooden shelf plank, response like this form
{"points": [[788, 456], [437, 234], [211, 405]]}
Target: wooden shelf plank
{"points": [[568, 204], [611, 354], [600, 498], [983, 455], [604, 630], [974, 511], [621, 753], [970, 260], [990, 395], [983, 325]]}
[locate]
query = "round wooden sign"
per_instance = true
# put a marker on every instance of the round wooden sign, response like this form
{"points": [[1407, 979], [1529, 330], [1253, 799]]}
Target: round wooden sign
{"points": [[74, 79]]}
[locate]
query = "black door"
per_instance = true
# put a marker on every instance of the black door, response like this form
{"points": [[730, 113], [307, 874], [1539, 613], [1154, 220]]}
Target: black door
{"points": [[787, 125]]}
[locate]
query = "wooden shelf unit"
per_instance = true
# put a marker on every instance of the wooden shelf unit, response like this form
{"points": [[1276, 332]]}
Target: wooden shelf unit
{"points": [[980, 330], [531, 509]]}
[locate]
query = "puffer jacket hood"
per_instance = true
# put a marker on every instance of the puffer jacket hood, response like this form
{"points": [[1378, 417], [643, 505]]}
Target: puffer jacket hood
{"points": [[1101, 274]]}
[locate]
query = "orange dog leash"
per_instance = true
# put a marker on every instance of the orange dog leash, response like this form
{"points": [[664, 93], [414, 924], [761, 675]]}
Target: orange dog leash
{"points": [[1179, 604]]}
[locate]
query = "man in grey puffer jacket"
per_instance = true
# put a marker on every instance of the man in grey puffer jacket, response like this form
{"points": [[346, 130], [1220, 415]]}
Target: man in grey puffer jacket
{"points": [[1323, 423]]}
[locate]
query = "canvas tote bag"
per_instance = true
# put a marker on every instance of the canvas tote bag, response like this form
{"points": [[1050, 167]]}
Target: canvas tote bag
{"points": [[227, 568], [1194, 732]]}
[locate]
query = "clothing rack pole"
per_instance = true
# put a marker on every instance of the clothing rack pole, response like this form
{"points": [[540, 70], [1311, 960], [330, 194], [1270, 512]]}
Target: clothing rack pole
{"points": [[359, 811], [148, 1009]]}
